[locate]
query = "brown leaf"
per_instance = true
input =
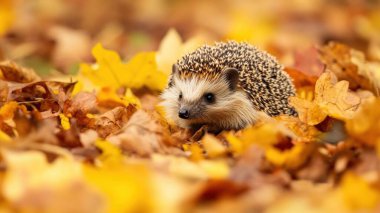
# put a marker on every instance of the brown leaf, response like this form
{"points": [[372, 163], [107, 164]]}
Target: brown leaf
{"points": [[252, 169], [300, 79], [332, 98], [218, 189], [4, 91], [112, 121], [41, 95], [308, 62], [83, 102], [12, 72], [348, 64], [141, 135], [315, 170]]}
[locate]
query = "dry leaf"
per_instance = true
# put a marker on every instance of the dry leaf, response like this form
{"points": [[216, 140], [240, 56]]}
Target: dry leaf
{"points": [[365, 126], [110, 71], [332, 98], [13, 72], [141, 135], [32, 184], [112, 121], [172, 48], [213, 146], [350, 64]]}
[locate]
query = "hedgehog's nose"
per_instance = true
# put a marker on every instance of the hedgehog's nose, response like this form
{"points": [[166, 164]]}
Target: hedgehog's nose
{"points": [[184, 113]]}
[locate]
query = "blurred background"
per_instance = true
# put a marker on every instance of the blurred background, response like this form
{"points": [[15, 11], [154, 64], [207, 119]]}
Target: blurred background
{"points": [[47, 34]]}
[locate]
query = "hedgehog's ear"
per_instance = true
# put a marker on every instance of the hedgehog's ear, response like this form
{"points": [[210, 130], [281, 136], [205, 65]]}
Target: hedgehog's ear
{"points": [[232, 77]]}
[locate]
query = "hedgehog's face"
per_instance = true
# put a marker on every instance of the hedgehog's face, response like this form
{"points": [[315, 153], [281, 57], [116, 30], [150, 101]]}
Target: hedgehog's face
{"points": [[195, 100]]}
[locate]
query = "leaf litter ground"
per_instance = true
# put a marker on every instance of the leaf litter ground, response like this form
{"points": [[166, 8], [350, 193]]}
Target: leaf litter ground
{"points": [[100, 143]]}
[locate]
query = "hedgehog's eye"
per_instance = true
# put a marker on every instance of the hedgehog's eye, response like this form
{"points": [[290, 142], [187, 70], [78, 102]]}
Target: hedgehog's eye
{"points": [[180, 96], [209, 97]]}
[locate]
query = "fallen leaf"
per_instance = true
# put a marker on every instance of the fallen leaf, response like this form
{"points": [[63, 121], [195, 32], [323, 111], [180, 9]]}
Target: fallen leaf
{"points": [[13, 72], [364, 126], [65, 122], [141, 135], [112, 121], [350, 64], [65, 39], [353, 188], [213, 146], [172, 48], [332, 98], [300, 79], [32, 184], [308, 62], [110, 71], [109, 97]]}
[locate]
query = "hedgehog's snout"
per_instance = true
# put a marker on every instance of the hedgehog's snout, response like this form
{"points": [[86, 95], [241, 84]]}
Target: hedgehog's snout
{"points": [[184, 113]]}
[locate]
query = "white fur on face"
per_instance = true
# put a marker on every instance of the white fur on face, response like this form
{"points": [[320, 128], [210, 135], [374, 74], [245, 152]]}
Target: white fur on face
{"points": [[231, 109]]}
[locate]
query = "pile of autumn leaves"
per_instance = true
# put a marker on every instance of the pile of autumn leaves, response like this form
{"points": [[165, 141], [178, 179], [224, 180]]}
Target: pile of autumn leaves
{"points": [[101, 143]]}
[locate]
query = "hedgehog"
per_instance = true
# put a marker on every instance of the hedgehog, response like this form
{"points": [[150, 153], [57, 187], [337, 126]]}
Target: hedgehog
{"points": [[226, 86]]}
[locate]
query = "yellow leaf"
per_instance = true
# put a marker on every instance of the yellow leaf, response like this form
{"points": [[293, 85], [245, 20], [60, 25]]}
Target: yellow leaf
{"points": [[358, 194], [213, 146], [126, 188], [111, 154], [332, 98], [65, 122], [51, 185], [365, 126], [4, 137], [107, 70], [180, 166], [290, 158], [215, 169], [264, 134], [7, 110], [256, 31], [110, 71], [172, 48], [109, 96], [195, 150], [236, 145], [7, 15], [308, 111]]}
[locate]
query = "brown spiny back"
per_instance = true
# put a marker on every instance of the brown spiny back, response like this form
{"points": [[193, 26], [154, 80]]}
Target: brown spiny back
{"points": [[267, 86]]}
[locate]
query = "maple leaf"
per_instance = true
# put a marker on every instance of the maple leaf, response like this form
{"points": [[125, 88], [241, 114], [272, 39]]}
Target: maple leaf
{"points": [[110, 71], [332, 98], [108, 97]]}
